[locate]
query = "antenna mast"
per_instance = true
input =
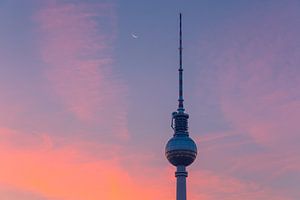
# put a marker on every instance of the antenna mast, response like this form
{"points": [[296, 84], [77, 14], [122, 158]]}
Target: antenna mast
{"points": [[180, 100]]}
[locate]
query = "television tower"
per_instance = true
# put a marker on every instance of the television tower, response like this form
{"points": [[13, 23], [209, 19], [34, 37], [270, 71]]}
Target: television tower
{"points": [[181, 150]]}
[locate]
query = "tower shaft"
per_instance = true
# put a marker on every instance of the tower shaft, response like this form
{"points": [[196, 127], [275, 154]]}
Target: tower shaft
{"points": [[181, 175]]}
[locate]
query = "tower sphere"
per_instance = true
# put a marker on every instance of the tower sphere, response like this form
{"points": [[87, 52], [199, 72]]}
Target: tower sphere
{"points": [[181, 150]]}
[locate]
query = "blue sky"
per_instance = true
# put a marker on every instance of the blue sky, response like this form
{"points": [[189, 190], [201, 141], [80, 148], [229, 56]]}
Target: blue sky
{"points": [[81, 96]]}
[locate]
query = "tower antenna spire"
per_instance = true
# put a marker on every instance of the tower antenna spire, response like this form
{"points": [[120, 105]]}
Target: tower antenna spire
{"points": [[180, 99]]}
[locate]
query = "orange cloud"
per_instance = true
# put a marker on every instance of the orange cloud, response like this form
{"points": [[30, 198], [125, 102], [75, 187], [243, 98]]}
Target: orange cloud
{"points": [[47, 168], [67, 172]]}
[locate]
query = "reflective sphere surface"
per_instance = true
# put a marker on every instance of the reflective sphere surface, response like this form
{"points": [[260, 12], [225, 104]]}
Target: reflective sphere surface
{"points": [[181, 150]]}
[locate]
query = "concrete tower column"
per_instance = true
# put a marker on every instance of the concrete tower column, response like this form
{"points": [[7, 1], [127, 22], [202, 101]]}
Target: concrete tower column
{"points": [[181, 175]]}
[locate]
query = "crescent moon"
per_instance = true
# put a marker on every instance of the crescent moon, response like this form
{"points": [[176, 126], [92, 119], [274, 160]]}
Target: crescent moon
{"points": [[134, 36]]}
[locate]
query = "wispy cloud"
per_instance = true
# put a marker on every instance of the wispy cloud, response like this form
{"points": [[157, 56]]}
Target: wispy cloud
{"points": [[77, 47], [11, 193], [209, 185], [254, 80]]}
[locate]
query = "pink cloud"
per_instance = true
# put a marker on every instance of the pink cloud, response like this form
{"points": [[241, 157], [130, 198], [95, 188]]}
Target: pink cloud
{"points": [[255, 75], [77, 49], [44, 166], [209, 185], [254, 80], [10, 193]]}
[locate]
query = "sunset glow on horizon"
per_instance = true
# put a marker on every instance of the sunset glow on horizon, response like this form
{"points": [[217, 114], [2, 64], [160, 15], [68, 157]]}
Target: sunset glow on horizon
{"points": [[88, 88]]}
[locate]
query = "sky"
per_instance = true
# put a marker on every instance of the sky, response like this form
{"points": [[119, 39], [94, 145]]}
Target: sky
{"points": [[87, 88]]}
